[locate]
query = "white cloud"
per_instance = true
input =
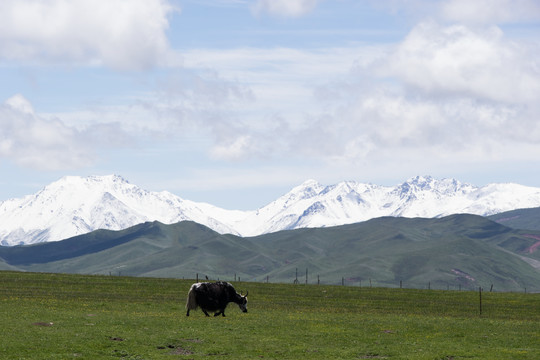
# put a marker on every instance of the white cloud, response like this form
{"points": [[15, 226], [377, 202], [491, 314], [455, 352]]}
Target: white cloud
{"points": [[121, 34], [458, 89], [462, 61], [35, 142], [43, 142], [490, 11], [285, 8], [470, 12], [449, 94], [234, 148], [184, 105]]}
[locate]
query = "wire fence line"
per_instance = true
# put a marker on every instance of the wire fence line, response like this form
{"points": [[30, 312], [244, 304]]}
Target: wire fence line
{"points": [[370, 283], [386, 297]]}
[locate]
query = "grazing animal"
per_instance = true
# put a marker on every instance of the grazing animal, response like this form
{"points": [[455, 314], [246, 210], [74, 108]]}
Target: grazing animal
{"points": [[214, 297]]}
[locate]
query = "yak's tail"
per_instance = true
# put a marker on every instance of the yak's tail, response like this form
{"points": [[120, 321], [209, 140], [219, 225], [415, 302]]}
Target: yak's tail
{"points": [[191, 303]]}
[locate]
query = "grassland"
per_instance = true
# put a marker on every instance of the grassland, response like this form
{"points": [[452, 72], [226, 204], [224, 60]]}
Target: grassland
{"points": [[57, 316], [519, 218]]}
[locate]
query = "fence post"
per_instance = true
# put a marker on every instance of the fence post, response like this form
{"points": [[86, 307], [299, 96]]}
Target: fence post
{"points": [[480, 295], [197, 277], [318, 280], [306, 276]]}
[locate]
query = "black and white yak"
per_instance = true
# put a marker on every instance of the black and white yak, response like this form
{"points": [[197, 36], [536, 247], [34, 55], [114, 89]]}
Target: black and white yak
{"points": [[214, 297]]}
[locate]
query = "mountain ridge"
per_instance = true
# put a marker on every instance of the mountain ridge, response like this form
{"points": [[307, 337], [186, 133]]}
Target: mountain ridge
{"points": [[76, 205], [461, 250]]}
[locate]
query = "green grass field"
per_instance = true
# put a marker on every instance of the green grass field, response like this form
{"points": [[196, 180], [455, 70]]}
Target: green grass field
{"points": [[56, 316]]}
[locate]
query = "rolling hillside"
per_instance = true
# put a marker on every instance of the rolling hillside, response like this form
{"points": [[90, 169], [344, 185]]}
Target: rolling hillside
{"points": [[464, 251], [519, 219]]}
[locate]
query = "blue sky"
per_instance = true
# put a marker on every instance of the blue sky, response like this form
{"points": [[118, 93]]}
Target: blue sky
{"points": [[234, 102]]}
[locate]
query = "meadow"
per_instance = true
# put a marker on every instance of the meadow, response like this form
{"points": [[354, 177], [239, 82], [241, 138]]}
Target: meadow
{"points": [[60, 316]]}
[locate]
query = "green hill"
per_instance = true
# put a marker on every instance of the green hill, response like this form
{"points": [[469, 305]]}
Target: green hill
{"points": [[519, 219], [458, 251]]}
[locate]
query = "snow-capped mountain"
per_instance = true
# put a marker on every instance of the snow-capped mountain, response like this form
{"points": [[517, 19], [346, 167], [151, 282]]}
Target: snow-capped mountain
{"points": [[314, 205], [76, 205]]}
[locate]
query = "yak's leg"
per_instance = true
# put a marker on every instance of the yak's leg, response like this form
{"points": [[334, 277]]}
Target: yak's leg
{"points": [[205, 313], [220, 312], [187, 314]]}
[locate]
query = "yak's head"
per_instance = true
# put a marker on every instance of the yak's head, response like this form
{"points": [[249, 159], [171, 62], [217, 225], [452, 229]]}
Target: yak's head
{"points": [[242, 304]]}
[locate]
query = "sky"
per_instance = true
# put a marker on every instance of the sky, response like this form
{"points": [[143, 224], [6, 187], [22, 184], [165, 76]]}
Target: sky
{"points": [[234, 102]]}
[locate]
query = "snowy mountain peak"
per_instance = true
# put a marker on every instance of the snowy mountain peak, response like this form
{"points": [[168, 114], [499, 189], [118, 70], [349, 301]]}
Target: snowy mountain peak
{"points": [[421, 182], [89, 182], [76, 205], [308, 188], [429, 184]]}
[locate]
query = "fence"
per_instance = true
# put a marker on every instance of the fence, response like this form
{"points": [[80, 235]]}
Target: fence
{"points": [[368, 282]]}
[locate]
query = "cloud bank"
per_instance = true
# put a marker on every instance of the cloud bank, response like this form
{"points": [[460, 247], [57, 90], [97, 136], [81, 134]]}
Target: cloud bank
{"points": [[456, 88], [463, 61], [35, 142], [448, 91], [47, 143], [490, 11], [124, 35]]}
